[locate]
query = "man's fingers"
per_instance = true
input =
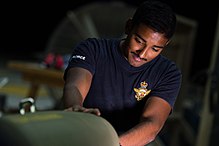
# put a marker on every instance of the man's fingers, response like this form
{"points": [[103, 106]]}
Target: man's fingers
{"points": [[94, 111], [68, 109]]}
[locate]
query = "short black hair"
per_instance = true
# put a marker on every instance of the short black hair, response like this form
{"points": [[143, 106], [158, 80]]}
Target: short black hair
{"points": [[157, 15]]}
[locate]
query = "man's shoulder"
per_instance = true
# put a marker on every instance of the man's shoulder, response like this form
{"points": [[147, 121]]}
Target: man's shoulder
{"points": [[165, 62], [102, 40], [101, 43]]}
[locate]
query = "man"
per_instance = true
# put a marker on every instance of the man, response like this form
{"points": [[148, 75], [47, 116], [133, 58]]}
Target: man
{"points": [[127, 81]]}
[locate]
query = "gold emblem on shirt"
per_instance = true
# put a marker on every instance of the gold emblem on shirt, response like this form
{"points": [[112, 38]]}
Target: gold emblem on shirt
{"points": [[141, 92]]}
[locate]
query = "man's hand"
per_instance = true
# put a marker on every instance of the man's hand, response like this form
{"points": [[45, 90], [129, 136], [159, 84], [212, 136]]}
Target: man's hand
{"points": [[78, 108]]}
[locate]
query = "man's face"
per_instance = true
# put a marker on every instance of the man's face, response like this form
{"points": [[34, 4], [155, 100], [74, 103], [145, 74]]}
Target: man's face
{"points": [[143, 44]]}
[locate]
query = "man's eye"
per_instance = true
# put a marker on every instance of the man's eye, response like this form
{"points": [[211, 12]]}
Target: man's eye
{"points": [[155, 49], [139, 41]]}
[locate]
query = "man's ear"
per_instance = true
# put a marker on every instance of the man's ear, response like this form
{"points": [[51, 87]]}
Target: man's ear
{"points": [[128, 26]]}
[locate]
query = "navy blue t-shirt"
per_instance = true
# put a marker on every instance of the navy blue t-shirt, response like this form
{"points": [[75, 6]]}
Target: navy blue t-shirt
{"points": [[118, 89]]}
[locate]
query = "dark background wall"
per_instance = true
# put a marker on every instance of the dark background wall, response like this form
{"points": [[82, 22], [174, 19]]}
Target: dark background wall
{"points": [[27, 26]]}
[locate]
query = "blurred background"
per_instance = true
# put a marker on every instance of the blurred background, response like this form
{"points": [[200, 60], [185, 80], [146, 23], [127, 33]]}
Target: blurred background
{"points": [[32, 30]]}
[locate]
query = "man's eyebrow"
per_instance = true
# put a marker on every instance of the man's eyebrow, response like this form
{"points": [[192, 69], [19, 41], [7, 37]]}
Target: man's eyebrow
{"points": [[161, 47]]}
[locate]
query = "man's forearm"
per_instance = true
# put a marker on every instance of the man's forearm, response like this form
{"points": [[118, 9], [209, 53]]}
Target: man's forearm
{"points": [[72, 96], [141, 134]]}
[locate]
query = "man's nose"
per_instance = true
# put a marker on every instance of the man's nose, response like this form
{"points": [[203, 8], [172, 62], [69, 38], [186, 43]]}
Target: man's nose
{"points": [[143, 52]]}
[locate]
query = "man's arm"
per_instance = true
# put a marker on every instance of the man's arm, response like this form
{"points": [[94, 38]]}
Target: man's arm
{"points": [[155, 114], [77, 84]]}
